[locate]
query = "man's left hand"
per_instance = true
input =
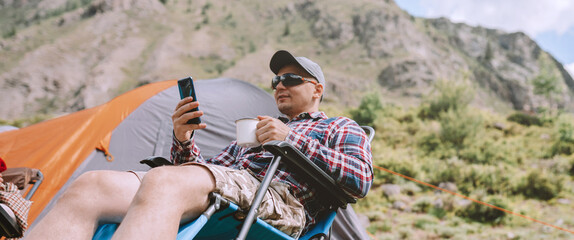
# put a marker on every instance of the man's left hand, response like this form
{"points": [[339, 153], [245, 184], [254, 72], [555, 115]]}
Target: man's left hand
{"points": [[269, 129]]}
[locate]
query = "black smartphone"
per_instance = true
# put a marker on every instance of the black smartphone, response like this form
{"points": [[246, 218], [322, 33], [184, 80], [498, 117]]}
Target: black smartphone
{"points": [[186, 89]]}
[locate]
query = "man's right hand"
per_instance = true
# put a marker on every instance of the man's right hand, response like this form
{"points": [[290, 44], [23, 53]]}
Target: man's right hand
{"points": [[181, 129]]}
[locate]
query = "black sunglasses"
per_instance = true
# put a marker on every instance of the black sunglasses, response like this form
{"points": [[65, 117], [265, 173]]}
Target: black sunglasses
{"points": [[289, 79]]}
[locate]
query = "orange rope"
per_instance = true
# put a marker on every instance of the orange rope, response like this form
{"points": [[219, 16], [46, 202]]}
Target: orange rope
{"points": [[476, 201], [371, 235]]}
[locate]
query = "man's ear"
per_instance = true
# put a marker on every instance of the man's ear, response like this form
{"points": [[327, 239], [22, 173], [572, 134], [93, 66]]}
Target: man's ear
{"points": [[318, 91]]}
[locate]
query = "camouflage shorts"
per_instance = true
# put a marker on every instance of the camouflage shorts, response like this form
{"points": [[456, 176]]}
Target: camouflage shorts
{"points": [[279, 208]]}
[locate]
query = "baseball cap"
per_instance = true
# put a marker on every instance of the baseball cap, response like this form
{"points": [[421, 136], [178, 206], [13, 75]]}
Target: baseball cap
{"points": [[282, 58]]}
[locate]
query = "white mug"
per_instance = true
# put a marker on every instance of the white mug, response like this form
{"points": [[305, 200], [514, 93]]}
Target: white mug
{"points": [[246, 128]]}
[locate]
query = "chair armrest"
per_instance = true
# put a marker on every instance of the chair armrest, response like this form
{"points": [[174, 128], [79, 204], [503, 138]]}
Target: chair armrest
{"points": [[21, 176], [327, 189], [26, 179]]}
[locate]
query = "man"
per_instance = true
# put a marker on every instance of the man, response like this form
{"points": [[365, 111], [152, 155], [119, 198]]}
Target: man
{"points": [[152, 205]]}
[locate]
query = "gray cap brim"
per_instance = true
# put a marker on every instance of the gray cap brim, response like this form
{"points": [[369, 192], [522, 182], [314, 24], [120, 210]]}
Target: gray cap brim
{"points": [[282, 58]]}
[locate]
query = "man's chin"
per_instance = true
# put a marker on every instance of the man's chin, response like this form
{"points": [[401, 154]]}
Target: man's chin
{"points": [[283, 108]]}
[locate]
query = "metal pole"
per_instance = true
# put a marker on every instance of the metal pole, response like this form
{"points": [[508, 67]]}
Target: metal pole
{"points": [[252, 214]]}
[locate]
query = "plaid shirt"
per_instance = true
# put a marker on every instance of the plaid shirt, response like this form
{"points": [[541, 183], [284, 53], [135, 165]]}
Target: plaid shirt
{"points": [[337, 145], [10, 195]]}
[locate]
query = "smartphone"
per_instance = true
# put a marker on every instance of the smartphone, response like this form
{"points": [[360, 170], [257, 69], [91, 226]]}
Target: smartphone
{"points": [[186, 89]]}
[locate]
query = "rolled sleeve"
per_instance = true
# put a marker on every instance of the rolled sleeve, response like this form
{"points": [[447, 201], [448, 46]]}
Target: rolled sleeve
{"points": [[182, 152]]}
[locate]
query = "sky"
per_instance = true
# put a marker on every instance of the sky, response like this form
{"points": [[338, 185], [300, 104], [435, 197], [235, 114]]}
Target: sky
{"points": [[549, 22]]}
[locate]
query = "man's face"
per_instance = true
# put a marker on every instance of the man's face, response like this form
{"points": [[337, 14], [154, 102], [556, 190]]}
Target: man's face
{"points": [[294, 100]]}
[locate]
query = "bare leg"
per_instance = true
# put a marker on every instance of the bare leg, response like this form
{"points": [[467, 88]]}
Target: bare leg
{"points": [[94, 196], [167, 196]]}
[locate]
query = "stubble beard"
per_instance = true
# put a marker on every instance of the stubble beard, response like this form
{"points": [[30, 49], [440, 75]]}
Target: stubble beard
{"points": [[284, 108]]}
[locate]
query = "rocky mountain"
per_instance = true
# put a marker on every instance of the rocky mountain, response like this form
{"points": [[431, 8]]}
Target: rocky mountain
{"points": [[60, 56]]}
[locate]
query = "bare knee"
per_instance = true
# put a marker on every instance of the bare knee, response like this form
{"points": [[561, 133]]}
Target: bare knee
{"points": [[174, 183]]}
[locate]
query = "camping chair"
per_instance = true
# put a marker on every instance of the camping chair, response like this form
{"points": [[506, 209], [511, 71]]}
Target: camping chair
{"points": [[224, 220], [27, 180]]}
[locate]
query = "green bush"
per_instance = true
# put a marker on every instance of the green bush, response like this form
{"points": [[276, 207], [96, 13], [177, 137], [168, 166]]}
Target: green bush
{"points": [[491, 179], [380, 226], [538, 184], [401, 166], [485, 214], [448, 170], [547, 83], [525, 119], [422, 221], [438, 212], [458, 127], [429, 143], [447, 95], [368, 110], [564, 142], [422, 205], [487, 151], [9, 33], [565, 128]]}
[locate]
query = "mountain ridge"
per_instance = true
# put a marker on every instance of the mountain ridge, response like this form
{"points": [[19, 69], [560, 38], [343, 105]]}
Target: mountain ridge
{"points": [[65, 56]]}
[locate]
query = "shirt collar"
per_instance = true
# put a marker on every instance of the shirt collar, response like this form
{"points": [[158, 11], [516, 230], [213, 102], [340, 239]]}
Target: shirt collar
{"points": [[306, 115]]}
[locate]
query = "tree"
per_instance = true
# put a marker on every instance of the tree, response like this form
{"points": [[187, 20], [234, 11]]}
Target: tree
{"points": [[458, 128], [448, 95], [547, 82], [367, 112]]}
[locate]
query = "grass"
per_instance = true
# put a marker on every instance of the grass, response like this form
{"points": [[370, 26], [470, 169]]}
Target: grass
{"points": [[510, 166]]}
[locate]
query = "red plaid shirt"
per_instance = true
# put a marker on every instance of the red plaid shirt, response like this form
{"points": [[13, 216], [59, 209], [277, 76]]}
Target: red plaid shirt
{"points": [[10, 195], [337, 145]]}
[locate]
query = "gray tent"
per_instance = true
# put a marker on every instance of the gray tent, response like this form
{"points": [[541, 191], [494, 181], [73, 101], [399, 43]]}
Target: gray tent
{"points": [[147, 131]]}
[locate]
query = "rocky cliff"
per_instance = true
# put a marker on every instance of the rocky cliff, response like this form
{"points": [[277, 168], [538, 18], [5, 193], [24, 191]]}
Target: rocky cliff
{"points": [[59, 56]]}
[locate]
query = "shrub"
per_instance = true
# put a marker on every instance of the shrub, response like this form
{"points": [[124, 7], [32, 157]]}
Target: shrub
{"points": [[429, 143], [438, 212], [564, 142], [487, 151], [538, 184], [547, 83], [492, 179], [402, 166], [424, 220], [524, 119], [458, 127], [367, 112], [448, 170], [565, 128], [9, 33], [380, 226], [485, 214], [422, 205], [450, 96]]}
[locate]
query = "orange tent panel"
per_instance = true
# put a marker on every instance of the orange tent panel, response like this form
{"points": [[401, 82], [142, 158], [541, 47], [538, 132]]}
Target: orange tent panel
{"points": [[58, 146]]}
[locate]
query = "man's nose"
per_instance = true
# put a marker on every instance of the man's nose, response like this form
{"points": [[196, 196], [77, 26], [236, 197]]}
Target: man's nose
{"points": [[280, 85]]}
